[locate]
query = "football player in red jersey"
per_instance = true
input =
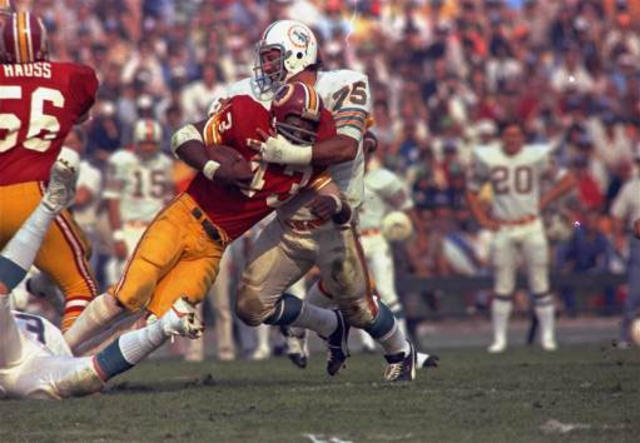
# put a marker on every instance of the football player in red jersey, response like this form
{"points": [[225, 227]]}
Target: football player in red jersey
{"points": [[180, 252], [40, 101]]}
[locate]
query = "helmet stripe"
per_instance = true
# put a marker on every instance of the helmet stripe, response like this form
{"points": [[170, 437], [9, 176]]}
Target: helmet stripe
{"points": [[29, 40], [22, 31], [16, 42]]}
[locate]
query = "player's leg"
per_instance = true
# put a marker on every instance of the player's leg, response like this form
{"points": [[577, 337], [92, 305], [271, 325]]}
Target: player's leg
{"points": [[277, 260], [632, 304], [64, 256], [504, 268], [536, 253], [81, 376], [154, 256], [20, 252], [296, 337], [346, 278], [220, 296]]}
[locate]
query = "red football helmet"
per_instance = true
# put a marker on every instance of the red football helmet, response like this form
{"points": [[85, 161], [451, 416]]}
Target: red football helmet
{"points": [[296, 109], [23, 39]]}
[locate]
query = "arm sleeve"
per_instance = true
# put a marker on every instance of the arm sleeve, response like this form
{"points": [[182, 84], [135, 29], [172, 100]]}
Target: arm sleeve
{"points": [[83, 87], [478, 173], [352, 108]]}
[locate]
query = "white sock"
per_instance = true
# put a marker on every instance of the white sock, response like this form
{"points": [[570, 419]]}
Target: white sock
{"points": [[363, 337], [394, 342], [25, 244], [545, 311], [97, 316], [321, 320], [262, 337], [500, 311], [136, 345], [402, 324]]}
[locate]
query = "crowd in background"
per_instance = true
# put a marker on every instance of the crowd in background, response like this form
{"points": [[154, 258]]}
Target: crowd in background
{"points": [[444, 76]]}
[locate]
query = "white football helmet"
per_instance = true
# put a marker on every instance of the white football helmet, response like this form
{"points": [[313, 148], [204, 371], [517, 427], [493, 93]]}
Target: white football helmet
{"points": [[286, 48], [147, 131]]}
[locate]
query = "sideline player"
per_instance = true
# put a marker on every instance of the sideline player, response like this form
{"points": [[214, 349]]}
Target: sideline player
{"points": [[180, 251], [515, 172], [138, 187], [626, 210], [35, 361], [40, 101], [290, 245]]}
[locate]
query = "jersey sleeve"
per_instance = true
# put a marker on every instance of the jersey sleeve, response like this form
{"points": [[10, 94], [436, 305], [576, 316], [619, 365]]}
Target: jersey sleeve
{"points": [[83, 86], [620, 206], [116, 177], [479, 172], [220, 127], [352, 106]]}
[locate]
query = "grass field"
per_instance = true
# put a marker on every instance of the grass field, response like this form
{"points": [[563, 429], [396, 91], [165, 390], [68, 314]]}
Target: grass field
{"points": [[580, 394]]}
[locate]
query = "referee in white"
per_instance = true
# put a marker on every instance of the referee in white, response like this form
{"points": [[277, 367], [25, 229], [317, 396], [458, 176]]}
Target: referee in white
{"points": [[626, 210]]}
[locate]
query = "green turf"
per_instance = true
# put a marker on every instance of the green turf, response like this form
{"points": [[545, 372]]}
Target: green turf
{"points": [[472, 397]]}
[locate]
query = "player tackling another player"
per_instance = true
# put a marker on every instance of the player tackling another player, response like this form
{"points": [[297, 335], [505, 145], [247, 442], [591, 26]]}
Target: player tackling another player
{"points": [[35, 360], [297, 239], [515, 172]]}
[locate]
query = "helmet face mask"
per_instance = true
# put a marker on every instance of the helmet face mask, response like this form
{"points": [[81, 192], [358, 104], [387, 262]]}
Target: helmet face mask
{"points": [[269, 72], [298, 130]]}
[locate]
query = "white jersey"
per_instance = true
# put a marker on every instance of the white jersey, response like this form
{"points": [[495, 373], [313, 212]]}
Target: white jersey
{"points": [[43, 337], [90, 178], [626, 206], [384, 192], [346, 95], [142, 186], [515, 180]]}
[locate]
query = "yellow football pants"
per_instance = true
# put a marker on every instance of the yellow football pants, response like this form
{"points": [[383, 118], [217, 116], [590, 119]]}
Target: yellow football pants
{"points": [[174, 258], [64, 253]]}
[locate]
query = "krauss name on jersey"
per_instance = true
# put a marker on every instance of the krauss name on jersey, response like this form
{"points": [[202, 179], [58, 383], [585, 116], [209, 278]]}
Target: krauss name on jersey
{"points": [[37, 69]]}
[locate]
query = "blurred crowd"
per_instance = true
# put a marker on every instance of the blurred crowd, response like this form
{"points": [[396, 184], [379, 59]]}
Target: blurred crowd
{"points": [[444, 74]]}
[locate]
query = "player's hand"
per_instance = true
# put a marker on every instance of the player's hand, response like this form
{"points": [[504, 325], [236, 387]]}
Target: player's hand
{"points": [[275, 148], [234, 175], [325, 206], [120, 250]]}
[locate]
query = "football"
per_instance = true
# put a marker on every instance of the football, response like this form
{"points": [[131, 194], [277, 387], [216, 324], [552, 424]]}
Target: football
{"points": [[232, 159], [397, 226]]}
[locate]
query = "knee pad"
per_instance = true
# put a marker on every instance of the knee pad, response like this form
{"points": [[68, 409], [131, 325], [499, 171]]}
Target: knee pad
{"points": [[286, 311], [251, 309]]}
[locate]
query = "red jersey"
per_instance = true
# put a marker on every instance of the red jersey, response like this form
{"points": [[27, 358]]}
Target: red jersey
{"points": [[237, 210], [39, 104]]}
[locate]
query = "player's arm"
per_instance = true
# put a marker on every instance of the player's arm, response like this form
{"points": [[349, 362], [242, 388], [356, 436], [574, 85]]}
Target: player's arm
{"points": [[329, 202], [563, 179], [351, 114], [189, 144], [478, 177], [112, 196]]}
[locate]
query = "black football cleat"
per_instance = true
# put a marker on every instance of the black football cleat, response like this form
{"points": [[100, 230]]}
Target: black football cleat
{"points": [[337, 346], [401, 366]]}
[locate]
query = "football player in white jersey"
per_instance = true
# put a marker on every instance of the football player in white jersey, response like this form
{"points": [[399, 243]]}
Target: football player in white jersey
{"points": [[515, 172], [289, 246], [139, 185], [35, 361]]}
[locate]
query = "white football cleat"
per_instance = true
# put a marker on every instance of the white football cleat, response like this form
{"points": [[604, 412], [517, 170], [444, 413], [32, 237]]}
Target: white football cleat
{"points": [[549, 344], [182, 319], [62, 181], [497, 347]]}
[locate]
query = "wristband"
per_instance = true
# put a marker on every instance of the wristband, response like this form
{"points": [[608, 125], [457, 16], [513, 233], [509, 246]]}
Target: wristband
{"points": [[118, 235], [209, 169], [338, 203]]}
